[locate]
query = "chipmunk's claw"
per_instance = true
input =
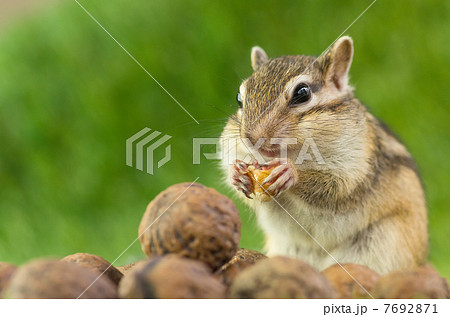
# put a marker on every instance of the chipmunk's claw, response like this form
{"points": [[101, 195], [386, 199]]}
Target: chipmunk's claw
{"points": [[246, 193], [241, 166], [240, 180], [281, 179]]}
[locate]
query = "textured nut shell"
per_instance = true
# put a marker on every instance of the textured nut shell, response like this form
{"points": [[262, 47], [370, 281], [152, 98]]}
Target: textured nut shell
{"points": [[124, 269], [96, 263], [6, 272], [241, 260], [170, 276], [200, 224], [281, 277], [58, 279], [422, 282], [345, 286]]}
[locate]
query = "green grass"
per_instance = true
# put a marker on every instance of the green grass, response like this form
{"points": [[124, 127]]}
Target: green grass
{"points": [[70, 97]]}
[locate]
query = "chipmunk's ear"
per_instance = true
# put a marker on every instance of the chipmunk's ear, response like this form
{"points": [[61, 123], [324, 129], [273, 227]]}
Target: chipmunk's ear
{"points": [[258, 57], [339, 60]]}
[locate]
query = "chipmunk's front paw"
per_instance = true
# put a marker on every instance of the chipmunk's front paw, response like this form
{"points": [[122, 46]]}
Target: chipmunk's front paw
{"points": [[240, 179], [282, 177]]}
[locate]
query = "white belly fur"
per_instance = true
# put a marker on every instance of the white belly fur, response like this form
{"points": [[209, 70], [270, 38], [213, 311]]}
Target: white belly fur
{"points": [[287, 237]]}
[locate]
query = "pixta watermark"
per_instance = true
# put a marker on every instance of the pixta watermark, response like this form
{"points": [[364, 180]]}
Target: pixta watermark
{"points": [[231, 149], [141, 146]]}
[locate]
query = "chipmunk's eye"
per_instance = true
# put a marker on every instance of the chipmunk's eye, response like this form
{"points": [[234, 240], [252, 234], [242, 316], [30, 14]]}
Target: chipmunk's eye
{"points": [[302, 93], [239, 99]]}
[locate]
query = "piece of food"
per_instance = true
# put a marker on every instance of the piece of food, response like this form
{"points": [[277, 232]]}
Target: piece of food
{"points": [[170, 276], [6, 272], [96, 263], [258, 175], [58, 279], [344, 279], [422, 282], [281, 277], [242, 259], [193, 221]]}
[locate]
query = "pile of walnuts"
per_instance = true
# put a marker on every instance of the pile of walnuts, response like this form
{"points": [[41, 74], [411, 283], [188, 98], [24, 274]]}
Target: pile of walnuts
{"points": [[190, 235]]}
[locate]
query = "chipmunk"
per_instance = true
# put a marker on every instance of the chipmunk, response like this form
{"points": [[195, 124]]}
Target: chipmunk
{"points": [[362, 201]]}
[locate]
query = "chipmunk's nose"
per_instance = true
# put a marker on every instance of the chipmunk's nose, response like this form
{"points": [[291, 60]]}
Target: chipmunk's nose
{"points": [[262, 143], [254, 137]]}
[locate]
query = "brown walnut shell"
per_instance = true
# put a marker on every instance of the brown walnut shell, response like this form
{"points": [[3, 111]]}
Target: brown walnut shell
{"points": [[421, 282], [170, 276], [96, 263], [55, 279], [196, 222], [241, 260], [281, 277], [342, 279], [124, 269], [6, 272]]}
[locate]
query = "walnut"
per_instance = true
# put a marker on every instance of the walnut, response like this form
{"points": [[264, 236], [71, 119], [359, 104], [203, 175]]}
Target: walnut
{"points": [[58, 279], [170, 276], [345, 285], [421, 282], [241, 260], [96, 263], [124, 269], [198, 223], [6, 272], [281, 277]]}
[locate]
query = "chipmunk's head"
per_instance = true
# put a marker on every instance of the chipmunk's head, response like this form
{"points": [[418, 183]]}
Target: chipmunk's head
{"points": [[296, 97]]}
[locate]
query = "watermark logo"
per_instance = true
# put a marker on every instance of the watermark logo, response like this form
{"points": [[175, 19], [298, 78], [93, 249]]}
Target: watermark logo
{"points": [[230, 149], [143, 145]]}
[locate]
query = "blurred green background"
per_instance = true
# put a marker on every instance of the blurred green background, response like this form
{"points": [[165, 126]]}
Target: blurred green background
{"points": [[70, 97]]}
